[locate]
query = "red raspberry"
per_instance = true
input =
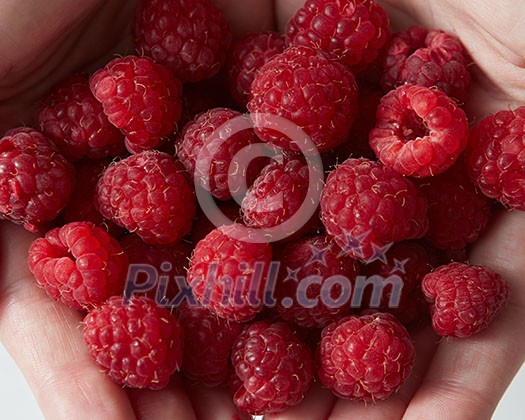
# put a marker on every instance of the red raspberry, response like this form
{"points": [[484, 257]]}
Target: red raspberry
{"points": [[141, 98], [36, 182], [419, 131], [191, 37], [206, 148], [74, 120], [228, 273], [79, 264], [150, 194], [274, 367], [365, 358], [457, 212], [427, 58], [353, 30], [138, 344], [208, 342], [464, 298], [314, 256], [496, 159], [366, 206], [309, 89], [248, 55], [203, 225]]}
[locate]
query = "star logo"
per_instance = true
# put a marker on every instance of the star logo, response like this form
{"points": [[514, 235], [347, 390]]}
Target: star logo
{"points": [[379, 253], [292, 275], [399, 266], [318, 255], [353, 245]]}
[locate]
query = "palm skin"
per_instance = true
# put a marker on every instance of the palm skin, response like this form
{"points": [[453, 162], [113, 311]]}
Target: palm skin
{"points": [[461, 379]]}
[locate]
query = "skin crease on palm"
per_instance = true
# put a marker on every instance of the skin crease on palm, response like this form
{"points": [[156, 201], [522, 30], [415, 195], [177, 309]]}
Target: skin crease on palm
{"points": [[460, 379]]}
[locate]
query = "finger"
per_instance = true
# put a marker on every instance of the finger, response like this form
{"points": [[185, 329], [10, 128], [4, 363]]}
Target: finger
{"points": [[469, 376], [165, 404], [248, 16], [213, 403], [44, 339], [394, 406]]}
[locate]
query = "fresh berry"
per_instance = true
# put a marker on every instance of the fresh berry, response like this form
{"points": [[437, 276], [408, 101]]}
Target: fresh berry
{"points": [[36, 182], [366, 206], [208, 343], [354, 31], [274, 367], [74, 120], [79, 264], [248, 55], [141, 98], [314, 261], [207, 148], [306, 87], [138, 344], [203, 225], [496, 159], [191, 37], [169, 261], [277, 195], [150, 194], [457, 212], [464, 298], [365, 358], [427, 58], [419, 131], [228, 271]]}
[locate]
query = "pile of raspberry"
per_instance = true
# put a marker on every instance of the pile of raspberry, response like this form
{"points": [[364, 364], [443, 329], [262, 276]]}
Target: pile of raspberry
{"points": [[110, 171]]}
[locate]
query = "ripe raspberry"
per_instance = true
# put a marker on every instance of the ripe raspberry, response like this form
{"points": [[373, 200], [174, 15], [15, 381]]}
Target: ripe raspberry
{"points": [[206, 148], [79, 264], [190, 37], [457, 212], [74, 120], [170, 260], [150, 194], [277, 195], [464, 298], [366, 206], [274, 366], [365, 358], [419, 131], [203, 225], [318, 305], [427, 58], [309, 89], [208, 342], [495, 157], [36, 182], [140, 97], [352, 30], [248, 55], [138, 344], [228, 273]]}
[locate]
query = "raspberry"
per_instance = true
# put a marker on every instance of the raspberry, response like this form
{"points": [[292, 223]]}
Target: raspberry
{"points": [[495, 157], [138, 344], [464, 298], [352, 30], [74, 120], [277, 194], [150, 194], [203, 225], [309, 89], [274, 367], [248, 55], [366, 206], [457, 212], [36, 182], [78, 264], [208, 342], [191, 37], [315, 256], [206, 148], [365, 358], [427, 58], [419, 131], [141, 98], [228, 273]]}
